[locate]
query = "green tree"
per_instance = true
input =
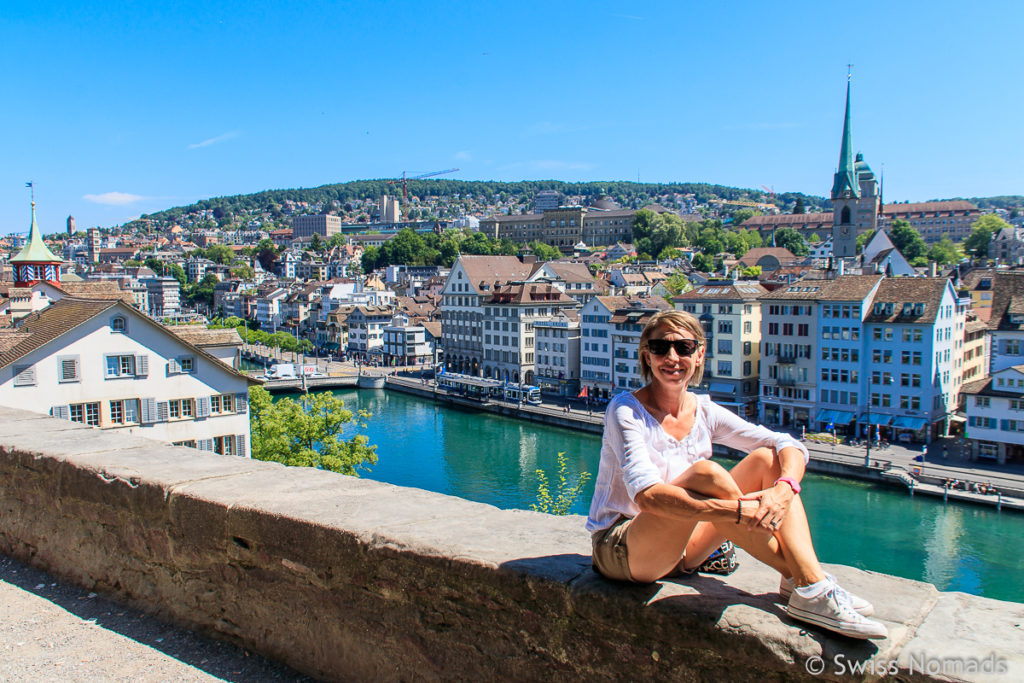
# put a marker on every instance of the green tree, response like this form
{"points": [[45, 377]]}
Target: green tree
{"points": [[944, 252], [863, 239], [814, 238], [982, 232], [316, 245], [544, 252], [751, 272], [740, 215], [220, 253], [565, 496], [907, 240], [799, 206], [202, 291], [244, 272], [703, 263], [677, 283], [792, 240], [266, 253], [308, 432]]}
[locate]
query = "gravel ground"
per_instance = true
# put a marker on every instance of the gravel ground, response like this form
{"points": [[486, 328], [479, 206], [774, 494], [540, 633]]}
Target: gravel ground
{"points": [[53, 631]]}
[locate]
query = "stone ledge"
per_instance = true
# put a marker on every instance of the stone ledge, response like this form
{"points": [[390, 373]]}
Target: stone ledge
{"points": [[353, 579]]}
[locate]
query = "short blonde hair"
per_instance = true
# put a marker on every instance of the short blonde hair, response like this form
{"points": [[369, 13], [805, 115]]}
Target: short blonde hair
{"points": [[676, 321]]}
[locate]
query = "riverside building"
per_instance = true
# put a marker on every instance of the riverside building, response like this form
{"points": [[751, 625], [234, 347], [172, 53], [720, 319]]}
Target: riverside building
{"points": [[730, 313], [863, 354]]}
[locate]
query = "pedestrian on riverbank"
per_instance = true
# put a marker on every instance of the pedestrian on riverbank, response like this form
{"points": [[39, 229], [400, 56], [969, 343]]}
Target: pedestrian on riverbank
{"points": [[661, 507]]}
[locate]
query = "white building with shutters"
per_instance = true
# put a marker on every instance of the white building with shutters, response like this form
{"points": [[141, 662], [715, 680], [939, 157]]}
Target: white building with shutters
{"points": [[105, 364]]}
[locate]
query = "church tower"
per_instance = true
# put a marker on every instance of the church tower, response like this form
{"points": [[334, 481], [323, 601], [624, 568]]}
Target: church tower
{"points": [[35, 262], [854, 195]]}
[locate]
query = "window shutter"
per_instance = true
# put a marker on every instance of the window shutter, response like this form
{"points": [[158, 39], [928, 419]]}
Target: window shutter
{"points": [[112, 366], [242, 403], [205, 444], [142, 365], [61, 412], [148, 406], [162, 411], [131, 410], [203, 407], [25, 376], [172, 367], [240, 443], [68, 368]]}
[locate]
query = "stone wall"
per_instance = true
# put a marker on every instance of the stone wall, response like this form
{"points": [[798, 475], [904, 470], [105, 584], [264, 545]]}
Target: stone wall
{"points": [[348, 579]]}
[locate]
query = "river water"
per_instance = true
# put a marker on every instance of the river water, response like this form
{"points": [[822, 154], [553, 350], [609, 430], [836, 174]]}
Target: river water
{"points": [[492, 459]]}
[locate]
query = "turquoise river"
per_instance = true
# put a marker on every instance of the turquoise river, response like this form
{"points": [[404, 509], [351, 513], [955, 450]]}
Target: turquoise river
{"points": [[493, 460]]}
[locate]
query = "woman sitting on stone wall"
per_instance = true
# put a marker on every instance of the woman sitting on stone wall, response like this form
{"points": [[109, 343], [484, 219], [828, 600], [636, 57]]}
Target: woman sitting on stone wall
{"points": [[661, 506]]}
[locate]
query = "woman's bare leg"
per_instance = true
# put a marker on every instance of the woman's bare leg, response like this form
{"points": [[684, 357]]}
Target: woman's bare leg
{"points": [[789, 549]]}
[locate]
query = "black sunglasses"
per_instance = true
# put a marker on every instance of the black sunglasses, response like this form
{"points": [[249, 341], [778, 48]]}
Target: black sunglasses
{"points": [[683, 347]]}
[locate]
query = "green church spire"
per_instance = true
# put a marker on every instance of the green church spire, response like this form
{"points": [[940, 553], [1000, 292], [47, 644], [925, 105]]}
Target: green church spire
{"points": [[846, 177], [34, 250]]}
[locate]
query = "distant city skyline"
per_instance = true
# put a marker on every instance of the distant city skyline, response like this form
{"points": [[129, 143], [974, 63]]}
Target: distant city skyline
{"points": [[118, 111]]}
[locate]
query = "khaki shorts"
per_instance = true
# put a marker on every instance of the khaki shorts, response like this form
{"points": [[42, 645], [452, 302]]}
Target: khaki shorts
{"points": [[611, 557]]}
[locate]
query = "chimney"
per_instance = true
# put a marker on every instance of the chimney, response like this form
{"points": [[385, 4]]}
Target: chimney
{"points": [[932, 270], [842, 266]]}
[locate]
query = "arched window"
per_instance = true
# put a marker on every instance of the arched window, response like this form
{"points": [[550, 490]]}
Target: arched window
{"points": [[844, 217], [119, 324]]}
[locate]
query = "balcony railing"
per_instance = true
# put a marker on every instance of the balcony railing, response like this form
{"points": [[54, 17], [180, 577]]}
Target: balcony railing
{"points": [[786, 359]]}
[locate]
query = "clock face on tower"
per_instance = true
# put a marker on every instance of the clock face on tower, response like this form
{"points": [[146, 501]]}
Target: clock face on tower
{"points": [[844, 231]]}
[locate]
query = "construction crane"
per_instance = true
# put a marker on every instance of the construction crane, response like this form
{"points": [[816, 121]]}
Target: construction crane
{"points": [[405, 186]]}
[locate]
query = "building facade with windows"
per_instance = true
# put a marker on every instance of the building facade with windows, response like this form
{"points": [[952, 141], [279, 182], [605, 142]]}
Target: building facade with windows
{"points": [[995, 416], [558, 354], [610, 328], [471, 281], [104, 364], [509, 316], [730, 312], [307, 226]]}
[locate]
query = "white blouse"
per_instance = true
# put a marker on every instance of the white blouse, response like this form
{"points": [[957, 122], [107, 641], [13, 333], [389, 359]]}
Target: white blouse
{"points": [[636, 452]]}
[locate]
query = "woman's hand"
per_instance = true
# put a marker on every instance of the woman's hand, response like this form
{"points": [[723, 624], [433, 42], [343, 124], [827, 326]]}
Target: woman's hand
{"points": [[773, 506]]}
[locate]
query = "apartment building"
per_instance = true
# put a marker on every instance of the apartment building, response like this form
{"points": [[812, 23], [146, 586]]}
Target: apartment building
{"points": [[472, 280], [163, 295], [914, 341], [610, 328], [558, 354], [1006, 322], [366, 329], [407, 343], [307, 226], [730, 312], [104, 364], [995, 415], [509, 316]]}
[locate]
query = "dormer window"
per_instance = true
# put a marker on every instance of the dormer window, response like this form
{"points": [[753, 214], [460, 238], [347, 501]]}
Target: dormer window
{"points": [[879, 308], [119, 324], [907, 308], [1016, 318], [918, 309]]}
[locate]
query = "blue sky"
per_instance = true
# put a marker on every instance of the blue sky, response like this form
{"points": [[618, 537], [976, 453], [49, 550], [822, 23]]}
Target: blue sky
{"points": [[118, 109]]}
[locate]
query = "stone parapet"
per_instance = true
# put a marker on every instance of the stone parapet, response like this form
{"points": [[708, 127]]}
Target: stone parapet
{"points": [[349, 579]]}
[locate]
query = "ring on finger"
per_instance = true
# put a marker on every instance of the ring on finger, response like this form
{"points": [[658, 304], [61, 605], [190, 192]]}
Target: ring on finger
{"points": [[774, 524]]}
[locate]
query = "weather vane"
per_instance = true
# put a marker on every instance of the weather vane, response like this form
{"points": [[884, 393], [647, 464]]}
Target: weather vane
{"points": [[849, 72], [32, 188]]}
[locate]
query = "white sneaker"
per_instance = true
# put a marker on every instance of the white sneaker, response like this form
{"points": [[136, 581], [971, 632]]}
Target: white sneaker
{"points": [[832, 611], [859, 604]]}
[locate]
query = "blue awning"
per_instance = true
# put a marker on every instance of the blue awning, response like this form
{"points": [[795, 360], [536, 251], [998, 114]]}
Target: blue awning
{"points": [[876, 419], [721, 388], [914, 423], [825, 415], [841, 417]]}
